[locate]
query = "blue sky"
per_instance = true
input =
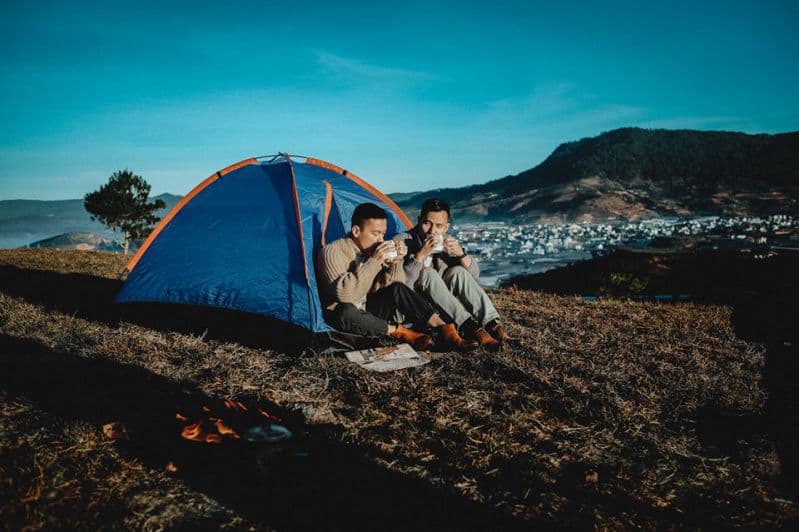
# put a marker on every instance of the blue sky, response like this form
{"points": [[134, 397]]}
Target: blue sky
{"points": [[415, 97]]}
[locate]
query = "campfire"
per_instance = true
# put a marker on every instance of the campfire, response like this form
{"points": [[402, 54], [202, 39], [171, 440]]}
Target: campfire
{"points": [[231, 421]]}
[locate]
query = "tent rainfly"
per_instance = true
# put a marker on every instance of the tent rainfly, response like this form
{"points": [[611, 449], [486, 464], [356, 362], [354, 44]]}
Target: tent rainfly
{"points": [[245, 239]]}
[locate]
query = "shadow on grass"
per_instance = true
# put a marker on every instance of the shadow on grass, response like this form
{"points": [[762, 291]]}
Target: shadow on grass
{"points": [[92, 298], [771, 320], [762, 290], [332, 487], [768, 320], [311, 483]]}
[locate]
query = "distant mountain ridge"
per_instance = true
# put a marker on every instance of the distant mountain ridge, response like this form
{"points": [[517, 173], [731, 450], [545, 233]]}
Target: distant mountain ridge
{"points": [[627, 173], [23, 222], [637, 173], [79, 240]]}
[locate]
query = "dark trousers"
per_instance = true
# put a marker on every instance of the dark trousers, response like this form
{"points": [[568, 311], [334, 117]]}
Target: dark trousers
{"points": [[380, 307]]}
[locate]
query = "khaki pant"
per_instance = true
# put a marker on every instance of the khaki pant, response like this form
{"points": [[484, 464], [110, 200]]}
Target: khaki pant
{"points": [[457, 295]]}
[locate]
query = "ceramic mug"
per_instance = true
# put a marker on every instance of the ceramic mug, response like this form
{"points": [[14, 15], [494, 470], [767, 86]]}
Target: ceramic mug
{"points": [[439, 247], [392, 253]]}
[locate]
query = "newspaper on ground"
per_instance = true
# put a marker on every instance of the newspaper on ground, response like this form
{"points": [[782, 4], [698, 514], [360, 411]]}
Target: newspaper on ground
{"points": [[388, 358]]}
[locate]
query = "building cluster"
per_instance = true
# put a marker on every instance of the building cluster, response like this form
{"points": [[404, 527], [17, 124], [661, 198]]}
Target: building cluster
{"points": [[498, 240]]}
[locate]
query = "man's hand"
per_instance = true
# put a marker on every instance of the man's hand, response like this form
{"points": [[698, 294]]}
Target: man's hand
{"points": [[380, 251], [427, 249], [452, 247], [402, 250]]}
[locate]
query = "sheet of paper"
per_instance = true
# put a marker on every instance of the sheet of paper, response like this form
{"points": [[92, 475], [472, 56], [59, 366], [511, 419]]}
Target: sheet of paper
{"points": [[388, 358]]}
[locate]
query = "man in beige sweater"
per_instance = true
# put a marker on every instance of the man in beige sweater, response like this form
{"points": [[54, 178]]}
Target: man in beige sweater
{"points": [[361, 286]]}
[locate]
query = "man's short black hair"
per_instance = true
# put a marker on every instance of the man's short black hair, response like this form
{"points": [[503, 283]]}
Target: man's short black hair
{"points": [[434, 205], [367, 211]]}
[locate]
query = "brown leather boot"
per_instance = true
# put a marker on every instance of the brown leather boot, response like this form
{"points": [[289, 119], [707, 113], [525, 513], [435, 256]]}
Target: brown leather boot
{"points": [[419, 341], [484, 339], [450, 339], [497, 331]]}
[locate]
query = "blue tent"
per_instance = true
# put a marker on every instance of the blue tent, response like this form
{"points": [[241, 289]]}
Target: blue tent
{"points": [[246, 237]]}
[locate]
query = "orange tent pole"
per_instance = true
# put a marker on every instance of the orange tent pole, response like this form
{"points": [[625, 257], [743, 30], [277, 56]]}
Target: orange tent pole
{"points": [[299, 230], [352, 177]]}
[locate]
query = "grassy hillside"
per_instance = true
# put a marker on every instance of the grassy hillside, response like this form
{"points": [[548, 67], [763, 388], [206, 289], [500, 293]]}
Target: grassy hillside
{"points": [[609, 414]]}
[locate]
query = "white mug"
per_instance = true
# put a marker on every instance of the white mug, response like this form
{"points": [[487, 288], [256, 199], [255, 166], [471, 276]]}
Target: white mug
{"points": [[439, 247], [392, 253]]}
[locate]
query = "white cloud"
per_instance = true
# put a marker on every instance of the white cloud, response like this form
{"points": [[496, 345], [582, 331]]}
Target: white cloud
{"points": [[352, 68]]}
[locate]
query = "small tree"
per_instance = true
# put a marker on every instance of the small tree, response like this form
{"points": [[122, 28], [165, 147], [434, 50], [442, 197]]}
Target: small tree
{"points": [[121, 204]]}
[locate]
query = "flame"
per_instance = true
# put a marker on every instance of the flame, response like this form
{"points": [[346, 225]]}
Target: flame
{"points": [[224, 430], [171, 467], [235, 405], [210, 427], [195, 432], [269, 416]]}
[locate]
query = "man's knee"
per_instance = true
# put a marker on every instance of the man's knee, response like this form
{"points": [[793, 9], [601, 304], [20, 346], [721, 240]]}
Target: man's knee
{"points": [[457, 274], [397, 290], [430, 282], [428, 277], [346, 312], [343, 315], [349, 318], [398, 293]]}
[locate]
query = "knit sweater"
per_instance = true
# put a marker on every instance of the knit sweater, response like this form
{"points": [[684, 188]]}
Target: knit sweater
{"points": [[345, 274]]}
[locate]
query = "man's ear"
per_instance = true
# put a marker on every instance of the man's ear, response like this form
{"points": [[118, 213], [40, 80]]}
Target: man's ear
{"points": [[355, 230]]}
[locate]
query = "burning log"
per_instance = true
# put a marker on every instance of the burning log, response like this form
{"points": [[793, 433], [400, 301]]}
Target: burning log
{"points": [[229, 422], [196, 432], [224, 430]]}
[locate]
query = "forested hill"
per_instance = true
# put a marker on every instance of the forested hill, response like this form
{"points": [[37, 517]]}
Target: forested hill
{"points": [[634, 173]]}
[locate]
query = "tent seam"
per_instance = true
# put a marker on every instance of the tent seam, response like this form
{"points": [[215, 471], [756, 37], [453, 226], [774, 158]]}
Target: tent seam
{"points": [[302, 238]]}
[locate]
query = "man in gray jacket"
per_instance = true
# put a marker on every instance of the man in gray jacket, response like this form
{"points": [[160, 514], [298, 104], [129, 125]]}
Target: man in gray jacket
{"points": [[439, 268]]}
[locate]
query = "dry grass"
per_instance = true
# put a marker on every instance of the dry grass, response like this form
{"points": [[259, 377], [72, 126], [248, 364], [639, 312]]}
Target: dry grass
{"points": [[596, 418], [98, 264]]}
